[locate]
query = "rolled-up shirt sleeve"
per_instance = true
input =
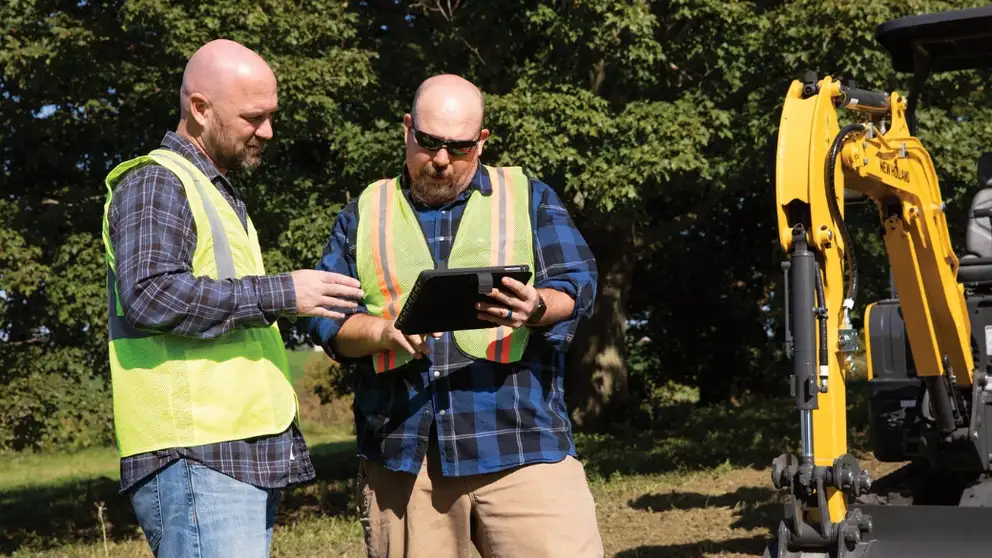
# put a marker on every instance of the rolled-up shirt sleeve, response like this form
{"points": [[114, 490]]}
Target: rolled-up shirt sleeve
{"points": [[565, 262], [338, 257], [154, 236]]}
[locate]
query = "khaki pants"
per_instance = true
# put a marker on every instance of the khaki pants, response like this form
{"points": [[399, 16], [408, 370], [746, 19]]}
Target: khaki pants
{"points": [[543, 510]]}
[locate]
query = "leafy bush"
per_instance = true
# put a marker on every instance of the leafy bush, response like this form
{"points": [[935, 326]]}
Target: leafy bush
{"points": [[326, 378], [325, 391], [55, 406]]}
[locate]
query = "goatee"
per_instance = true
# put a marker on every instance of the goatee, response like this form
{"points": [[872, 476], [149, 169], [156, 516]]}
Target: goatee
{"points": [[432, 188], [251, 155]]}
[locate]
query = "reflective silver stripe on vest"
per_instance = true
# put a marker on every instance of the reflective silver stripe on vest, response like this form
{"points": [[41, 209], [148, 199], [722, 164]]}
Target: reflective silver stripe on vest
{"points": [[502, 218], [222, 248], [501, 248], [119, 327]]}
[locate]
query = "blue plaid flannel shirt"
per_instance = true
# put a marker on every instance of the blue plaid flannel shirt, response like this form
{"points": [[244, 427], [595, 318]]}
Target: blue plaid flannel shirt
{"points": [[487, 417], [154, 236]]}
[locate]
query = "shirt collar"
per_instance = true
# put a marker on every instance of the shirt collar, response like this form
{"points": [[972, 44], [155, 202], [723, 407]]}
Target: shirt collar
{"points": [[481, 180], [174, 142]]}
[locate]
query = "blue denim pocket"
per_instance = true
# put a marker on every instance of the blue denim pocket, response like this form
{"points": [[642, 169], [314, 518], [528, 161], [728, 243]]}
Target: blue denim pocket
{"points": [[147, 505]]}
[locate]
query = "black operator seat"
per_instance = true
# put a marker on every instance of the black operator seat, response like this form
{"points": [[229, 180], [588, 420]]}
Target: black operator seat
{"points": [[976, 263]]}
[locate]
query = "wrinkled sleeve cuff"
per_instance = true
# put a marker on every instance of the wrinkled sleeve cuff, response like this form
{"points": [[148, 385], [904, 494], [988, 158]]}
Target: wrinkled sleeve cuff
{"points": [[323, 331], [277, 296], [561, 334]]}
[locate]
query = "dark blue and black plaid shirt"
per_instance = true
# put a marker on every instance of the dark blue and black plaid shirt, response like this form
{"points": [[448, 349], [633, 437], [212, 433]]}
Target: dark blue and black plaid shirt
{"points": [[487, 416], [154, 236]]}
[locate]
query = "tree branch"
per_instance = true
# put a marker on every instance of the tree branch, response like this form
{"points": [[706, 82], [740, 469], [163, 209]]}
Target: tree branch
{"points": [[473, 49], [439, 6], [33, 341], [597, 75]]}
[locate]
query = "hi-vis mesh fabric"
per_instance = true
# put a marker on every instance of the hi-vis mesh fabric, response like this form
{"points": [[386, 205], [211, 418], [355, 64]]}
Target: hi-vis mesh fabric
{"points": [[172, 391], [391, 252], [499, 233]]}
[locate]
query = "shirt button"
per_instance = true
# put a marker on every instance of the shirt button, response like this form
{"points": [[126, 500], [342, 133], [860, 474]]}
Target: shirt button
{"points": [[441, 412], [437, 373]]}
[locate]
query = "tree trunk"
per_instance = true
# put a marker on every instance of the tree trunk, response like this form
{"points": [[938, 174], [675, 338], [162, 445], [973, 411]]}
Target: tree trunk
{"points": [[597, 388]]}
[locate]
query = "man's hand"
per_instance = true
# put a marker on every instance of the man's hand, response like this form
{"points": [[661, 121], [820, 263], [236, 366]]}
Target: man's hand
{"points": [[393, 339], [362, 335], [513, 306], [317, 291]]}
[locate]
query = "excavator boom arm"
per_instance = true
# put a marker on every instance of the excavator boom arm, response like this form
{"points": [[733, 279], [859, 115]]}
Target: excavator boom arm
{"points": [[817, 161]]}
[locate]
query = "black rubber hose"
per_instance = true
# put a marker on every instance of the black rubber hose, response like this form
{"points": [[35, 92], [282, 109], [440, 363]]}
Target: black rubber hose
{"points": [[821, 314], [852, 265]]}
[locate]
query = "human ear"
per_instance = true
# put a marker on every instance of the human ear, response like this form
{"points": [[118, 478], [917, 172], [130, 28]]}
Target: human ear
{"points": [[482, 139], [407, 125], [199, 106]]}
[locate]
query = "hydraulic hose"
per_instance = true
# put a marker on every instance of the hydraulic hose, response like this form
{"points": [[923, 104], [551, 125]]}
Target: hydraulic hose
{"points": [[821, 313], [852, 265]]}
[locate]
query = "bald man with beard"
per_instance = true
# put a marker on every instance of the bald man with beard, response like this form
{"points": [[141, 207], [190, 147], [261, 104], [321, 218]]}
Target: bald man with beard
{"points": [[205, 415], [463, 437]]}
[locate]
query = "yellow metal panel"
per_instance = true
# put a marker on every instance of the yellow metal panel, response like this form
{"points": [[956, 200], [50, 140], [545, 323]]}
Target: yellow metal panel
{"points": [[896, 166], [913, 299], [791, 158]]}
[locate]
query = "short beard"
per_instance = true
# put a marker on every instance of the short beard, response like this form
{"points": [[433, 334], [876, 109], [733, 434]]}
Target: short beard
{"points": [[229, 154], [433, 194]]}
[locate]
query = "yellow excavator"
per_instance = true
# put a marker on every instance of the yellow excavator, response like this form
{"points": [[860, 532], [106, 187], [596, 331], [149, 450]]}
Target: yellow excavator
{"points": [[928, 346]]}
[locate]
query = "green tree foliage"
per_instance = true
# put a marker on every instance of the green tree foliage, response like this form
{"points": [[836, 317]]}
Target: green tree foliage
{"points": [[656, 121]]}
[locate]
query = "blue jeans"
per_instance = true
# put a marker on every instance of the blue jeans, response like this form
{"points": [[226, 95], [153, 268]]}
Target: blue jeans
{"points": [[191, 511]]}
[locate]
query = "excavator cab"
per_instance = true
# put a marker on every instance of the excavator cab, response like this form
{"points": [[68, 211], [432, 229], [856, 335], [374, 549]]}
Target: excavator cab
{"points": [[928, 346], [976, 263]]}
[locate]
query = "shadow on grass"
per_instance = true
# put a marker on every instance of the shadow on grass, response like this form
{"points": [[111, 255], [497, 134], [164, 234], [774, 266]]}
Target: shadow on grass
{"points": [[755, 507], [753, 546], [44, 517], [692, 437], [331, 493]]}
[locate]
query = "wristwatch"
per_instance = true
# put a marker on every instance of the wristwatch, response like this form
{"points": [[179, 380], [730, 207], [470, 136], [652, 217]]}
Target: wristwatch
{"points": [[538, 312]]}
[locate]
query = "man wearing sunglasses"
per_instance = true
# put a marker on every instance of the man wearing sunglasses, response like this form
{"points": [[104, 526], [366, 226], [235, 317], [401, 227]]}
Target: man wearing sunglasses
{"points": [[463, 441]]}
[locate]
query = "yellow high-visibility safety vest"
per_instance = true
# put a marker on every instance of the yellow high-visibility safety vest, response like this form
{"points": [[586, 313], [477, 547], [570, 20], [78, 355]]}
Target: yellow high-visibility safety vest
{"points": [[391, 251], [174, 391]]}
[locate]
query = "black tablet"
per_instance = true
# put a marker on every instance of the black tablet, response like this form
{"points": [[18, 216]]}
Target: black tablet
{"points": [[444, 299]]}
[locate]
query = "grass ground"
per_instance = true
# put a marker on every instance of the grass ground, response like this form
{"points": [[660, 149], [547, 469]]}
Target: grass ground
{"points": [[699, 486]]}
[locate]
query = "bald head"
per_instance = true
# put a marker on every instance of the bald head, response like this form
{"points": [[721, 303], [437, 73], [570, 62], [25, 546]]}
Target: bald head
{"points": [[227, 99], [220, 67], [444, 138], [450, 98]]}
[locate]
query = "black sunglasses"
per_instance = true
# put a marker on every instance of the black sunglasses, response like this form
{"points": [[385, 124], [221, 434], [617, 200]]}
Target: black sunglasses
{"points": [[433, 143]]}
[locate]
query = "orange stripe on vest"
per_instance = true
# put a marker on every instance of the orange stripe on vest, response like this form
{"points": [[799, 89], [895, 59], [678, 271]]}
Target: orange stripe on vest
{"points": [[501, 232], [382, 252]]}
